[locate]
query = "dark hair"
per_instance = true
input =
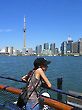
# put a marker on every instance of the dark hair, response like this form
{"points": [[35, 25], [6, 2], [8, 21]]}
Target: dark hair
{"points": [[41, 62]]}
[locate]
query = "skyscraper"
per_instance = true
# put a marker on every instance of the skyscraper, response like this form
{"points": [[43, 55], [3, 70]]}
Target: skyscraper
{"points": [[6, 50], [11, 50], [52, 48], [38, 49], [64, 47], [46, 46], [69, 45], [80, 46], [75, 47]]}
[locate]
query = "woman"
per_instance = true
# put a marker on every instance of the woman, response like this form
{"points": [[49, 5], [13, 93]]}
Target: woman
{"points": [[40, 66]]}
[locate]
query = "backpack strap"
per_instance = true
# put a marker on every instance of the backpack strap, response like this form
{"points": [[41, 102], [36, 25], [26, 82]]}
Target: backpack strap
{"points": [[34, 90]]}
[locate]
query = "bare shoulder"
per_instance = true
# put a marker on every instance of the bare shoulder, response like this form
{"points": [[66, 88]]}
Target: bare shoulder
{"points": [[39, 70], [38, 73]]}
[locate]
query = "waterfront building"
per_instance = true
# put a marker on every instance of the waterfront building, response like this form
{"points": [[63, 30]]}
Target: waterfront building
{"points": [[23, 51], [75, 47], [38, 49], [2, 52], [11, 51], [47, 52], [46, 46], [6, 49], [64, 48], [30, 51], [69, 45], [16, 52], [56, 51], [80, 46], [52, 48]]}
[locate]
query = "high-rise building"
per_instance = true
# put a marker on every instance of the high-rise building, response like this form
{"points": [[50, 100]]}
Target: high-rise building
{"points": [[11, 50], [38, 49], [52, 48], [80, 46], [6, 50], [56, 51], [75, 47], [64, 47], [69, 45], [46, 46]]}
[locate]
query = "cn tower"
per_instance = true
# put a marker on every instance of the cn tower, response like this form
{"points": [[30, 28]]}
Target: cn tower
{"points": [[24, 30]]}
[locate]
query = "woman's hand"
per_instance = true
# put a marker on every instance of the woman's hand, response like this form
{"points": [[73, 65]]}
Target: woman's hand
{"points": [[24, 78]]}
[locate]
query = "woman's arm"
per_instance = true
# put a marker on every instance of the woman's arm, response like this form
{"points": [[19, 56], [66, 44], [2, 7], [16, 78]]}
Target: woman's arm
{"points": [[24, 78], [42, 74]]}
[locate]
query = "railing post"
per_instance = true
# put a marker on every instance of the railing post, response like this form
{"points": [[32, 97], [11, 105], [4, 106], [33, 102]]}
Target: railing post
{"points": [[59, 86]]}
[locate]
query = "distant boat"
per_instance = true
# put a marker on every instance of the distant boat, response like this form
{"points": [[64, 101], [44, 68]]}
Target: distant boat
{"points": [[76, 55]]}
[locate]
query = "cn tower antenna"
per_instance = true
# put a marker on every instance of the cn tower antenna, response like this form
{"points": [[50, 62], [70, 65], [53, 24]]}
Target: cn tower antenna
{"points": [[24, 31]]}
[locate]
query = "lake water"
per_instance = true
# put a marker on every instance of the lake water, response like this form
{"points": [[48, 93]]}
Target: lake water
{"points": [[68, 67]]}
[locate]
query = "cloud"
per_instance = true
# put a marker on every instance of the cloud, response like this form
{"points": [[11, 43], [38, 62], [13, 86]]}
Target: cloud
{"points": [[6, 30]]}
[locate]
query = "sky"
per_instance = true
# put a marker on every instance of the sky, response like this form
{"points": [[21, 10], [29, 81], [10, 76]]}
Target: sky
{"points": [[47, 21]]}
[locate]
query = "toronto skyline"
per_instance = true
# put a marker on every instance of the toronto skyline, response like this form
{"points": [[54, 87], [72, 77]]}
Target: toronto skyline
{"points": [[46, 21]]}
